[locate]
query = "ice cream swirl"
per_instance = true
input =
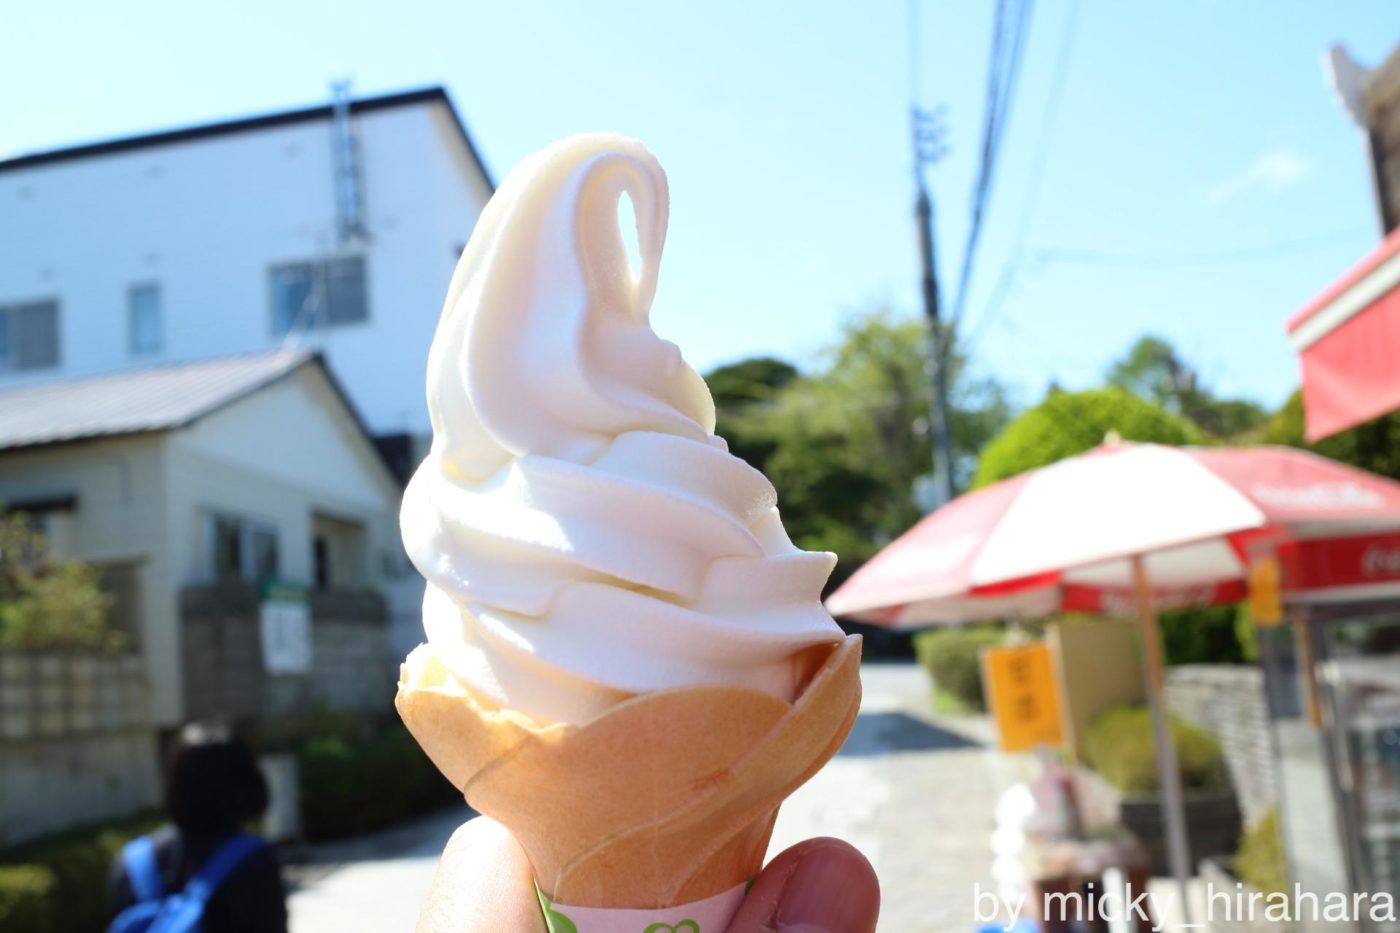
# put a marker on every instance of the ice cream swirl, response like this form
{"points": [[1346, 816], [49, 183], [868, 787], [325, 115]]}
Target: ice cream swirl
{"points": [[584, 534]]}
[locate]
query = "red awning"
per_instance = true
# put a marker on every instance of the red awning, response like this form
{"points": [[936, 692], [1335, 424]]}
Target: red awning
{"points": [[1348, 343]]}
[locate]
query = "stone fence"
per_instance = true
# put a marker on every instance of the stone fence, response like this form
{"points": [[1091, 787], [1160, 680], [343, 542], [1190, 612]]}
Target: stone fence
{"points": [[224, 674], [1228, 701], [77, 743]]}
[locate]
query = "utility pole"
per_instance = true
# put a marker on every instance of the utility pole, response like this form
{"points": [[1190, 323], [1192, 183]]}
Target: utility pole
{"points": [[927, 130]]}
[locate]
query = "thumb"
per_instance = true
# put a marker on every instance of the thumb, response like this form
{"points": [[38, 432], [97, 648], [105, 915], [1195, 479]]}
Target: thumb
{"points": [[817, 886], [483, 885]]}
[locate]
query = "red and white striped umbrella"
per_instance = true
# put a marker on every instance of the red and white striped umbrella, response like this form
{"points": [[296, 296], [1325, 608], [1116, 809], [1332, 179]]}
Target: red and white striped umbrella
{"points": [[1064, 537], [1124, 525]]}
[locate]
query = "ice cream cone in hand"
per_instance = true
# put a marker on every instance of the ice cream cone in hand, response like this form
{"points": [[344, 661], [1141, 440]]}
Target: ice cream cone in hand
{"points": [[665, 799], [628, 663]]}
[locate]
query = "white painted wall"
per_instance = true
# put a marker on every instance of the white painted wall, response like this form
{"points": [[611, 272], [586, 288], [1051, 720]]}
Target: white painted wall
{"points": [[121, 515], [206, 219], [280, 455]]}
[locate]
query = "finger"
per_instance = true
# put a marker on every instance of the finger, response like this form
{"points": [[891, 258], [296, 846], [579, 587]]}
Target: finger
{"points": [[483, 885], [817, 886]]}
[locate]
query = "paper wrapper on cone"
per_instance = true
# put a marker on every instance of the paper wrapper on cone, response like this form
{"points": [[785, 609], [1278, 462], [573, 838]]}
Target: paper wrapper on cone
{"points": [[666, 799]]}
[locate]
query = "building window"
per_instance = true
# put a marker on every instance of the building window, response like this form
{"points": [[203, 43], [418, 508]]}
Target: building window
{"points": [[322, 293], [337, 553], [29, 336], [241, 549], [143, 320], [121, 581], [321, 562]]}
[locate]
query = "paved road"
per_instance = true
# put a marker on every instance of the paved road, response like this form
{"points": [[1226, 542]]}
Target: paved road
{"points": [[913, 791], [374, 884]]}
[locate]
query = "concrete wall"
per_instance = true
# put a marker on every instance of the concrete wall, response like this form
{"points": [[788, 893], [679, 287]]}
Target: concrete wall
{"points": [[351, 666], [206, 219], [76, 741]]}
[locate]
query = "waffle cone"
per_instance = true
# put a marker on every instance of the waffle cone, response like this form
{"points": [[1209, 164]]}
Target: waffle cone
{"points": [[665, 799]]}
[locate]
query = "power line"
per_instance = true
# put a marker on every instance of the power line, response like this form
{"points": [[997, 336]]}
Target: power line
{"points": [[1155, 260], [1039, 158], [1052, 110], [1013, 72], [1163, 260], [1003, 72], [1005, 281], [995, 64]]}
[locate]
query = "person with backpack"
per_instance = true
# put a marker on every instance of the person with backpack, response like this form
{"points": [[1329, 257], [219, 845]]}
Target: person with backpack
{"points": [[201, 872]]}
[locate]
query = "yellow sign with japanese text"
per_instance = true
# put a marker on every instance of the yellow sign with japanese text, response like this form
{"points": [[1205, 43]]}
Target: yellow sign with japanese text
{"points": [[1021, 694]]}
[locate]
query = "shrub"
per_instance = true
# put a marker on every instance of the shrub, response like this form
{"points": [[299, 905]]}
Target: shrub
{"points": [[1119, 745], [1260, 860], [288, 734], [27, 898], [352, 786], [77, 860], [1068, 423], [1206, 635], [1246, 634], [45, 600], [952, 656]]}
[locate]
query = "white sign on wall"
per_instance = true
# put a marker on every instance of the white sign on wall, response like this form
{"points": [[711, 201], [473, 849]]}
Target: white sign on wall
{"points": [[285, 627]]}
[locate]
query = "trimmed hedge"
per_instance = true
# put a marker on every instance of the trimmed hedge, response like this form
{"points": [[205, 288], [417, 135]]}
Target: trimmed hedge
{"points": [[58, 884], [26, 898], [1260, 860], [952, 657], [351, 786], [1119, 745]]}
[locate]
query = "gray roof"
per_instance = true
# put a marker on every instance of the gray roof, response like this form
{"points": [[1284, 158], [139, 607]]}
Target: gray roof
{"points": [[161, 398], [281, 118]]}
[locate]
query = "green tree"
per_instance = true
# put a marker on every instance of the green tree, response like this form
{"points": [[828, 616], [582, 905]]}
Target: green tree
{"points": [[755, 379], [1373, 446], [46, 601], [1068, 423], [1153, 370], [846, 444], [737, 389]]}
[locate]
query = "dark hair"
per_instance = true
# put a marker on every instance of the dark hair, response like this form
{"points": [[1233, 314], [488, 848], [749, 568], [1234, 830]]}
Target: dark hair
{"points": [[212, 783]]}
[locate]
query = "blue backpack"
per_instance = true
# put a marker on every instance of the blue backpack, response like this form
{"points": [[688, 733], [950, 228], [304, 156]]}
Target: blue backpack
{"points": [[181, 912]]}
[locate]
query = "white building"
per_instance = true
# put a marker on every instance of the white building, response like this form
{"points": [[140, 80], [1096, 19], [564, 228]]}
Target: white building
{"points": [[334, 228], [193, 479], [246, 524]]}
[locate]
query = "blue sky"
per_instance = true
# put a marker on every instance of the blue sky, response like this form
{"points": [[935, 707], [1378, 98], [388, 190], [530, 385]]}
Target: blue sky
{"points": [[1188, 134]]}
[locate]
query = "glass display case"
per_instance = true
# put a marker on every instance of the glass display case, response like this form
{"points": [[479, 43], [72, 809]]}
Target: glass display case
{"points": [[1332, 680], [1358, 675]]}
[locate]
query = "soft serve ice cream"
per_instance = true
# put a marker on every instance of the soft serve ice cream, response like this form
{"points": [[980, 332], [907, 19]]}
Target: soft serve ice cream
{"points": [[627, 662], [585, 535]]}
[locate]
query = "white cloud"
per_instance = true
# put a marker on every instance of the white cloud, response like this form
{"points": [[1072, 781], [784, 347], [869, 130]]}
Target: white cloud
{"points": [[1274, 170]]}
